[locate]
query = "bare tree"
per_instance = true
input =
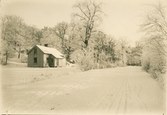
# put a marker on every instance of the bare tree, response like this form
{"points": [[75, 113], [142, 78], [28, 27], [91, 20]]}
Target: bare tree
{"points": [[13, 32], [60, 30], [155, 39], [155, 20], [155, 27], [5, 52], [89, 13]]}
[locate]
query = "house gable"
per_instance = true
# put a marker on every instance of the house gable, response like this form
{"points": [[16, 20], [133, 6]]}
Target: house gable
{"points": [[34, 48], [35, 57]]}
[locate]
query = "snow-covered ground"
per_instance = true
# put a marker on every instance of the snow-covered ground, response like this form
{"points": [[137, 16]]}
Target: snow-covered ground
{"points": [[126, 90]]}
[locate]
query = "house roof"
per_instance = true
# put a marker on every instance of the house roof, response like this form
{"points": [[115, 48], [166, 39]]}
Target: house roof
{"points": [[47, 50]]}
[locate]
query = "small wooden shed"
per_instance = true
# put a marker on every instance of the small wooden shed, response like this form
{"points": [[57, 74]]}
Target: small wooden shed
{"points": [[43, 56]]}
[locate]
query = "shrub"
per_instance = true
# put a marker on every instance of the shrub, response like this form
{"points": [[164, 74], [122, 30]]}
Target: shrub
{"points": [[154, 63], [84, 58], [146, 65], [119, 63], [3, 60], [24, 59]]}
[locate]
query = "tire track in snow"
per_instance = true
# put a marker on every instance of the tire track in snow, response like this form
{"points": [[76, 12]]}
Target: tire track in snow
{"points": [[120, 100], [126, 96], [123, 108], [116, 98], [101, 99], [141, 99], [137, 102]]}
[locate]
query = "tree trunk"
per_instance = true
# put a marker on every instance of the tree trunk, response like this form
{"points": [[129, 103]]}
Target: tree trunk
{"points": [[62, 45], [86, 43], [122, 55], [87, 36], [122, 59], [6, 58], [19, 53]]}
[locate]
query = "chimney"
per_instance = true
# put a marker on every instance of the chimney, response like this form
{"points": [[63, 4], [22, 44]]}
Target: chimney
{"points": [[46, 45]]}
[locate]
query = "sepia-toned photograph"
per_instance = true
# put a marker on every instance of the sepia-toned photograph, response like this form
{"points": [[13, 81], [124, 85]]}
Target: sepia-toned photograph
{"points": [[83, 57]]}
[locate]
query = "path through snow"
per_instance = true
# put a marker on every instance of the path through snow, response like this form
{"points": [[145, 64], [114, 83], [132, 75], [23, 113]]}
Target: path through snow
{"points": [[126, 90]]}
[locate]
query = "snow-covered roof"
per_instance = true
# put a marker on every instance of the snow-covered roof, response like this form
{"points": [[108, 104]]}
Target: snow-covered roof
{"points": [[53, 51]]}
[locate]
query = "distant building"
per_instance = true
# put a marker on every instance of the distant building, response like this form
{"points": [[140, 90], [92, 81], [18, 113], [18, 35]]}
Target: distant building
{"points": [[43, 56]]}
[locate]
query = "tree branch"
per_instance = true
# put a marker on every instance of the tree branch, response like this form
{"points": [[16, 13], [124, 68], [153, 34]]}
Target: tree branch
{"points": [[79, 6]]}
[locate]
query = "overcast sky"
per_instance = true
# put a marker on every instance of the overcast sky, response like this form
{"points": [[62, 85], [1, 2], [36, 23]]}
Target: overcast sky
{"points": [[123, 16]]}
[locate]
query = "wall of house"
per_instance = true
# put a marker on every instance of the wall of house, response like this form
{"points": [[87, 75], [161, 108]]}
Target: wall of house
{"points": [[56, 62], [62, 62], [45, 63], [38, 55]]}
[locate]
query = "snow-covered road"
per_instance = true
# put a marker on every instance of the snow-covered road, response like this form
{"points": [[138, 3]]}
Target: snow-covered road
{"points": [[126, 90]]}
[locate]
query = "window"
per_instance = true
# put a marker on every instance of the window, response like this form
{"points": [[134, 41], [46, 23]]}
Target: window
{"points": [[35, 60], [35, 51]]}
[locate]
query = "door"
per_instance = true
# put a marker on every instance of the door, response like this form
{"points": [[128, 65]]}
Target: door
{"points": [[50, 61]]}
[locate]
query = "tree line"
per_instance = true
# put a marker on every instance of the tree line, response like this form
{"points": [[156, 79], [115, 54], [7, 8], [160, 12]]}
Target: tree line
{"points": [[82, 41]]}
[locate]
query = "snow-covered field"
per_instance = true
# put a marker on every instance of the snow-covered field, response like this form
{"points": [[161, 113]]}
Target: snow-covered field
{"points": [[126, 90]]}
